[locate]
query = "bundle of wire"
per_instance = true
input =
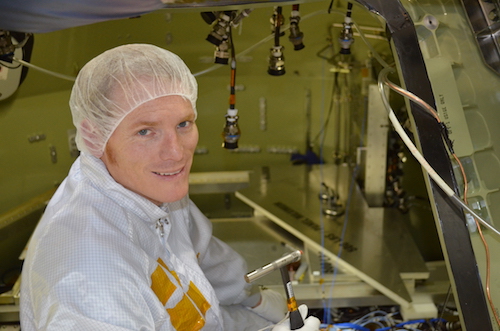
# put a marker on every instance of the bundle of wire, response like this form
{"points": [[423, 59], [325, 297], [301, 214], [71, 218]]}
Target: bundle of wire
{"points": [[384, 321]]}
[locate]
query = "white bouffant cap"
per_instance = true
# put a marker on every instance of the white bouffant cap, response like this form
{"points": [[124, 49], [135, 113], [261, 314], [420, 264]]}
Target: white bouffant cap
{"points": [[113, 84]]}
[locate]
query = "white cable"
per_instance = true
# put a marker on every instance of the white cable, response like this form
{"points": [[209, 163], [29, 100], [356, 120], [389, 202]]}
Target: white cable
{"points": [[413, 149], [58, 75]]}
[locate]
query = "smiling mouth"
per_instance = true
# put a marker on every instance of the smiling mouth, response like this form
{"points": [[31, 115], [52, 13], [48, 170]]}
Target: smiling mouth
{"points": [[167, 173]]}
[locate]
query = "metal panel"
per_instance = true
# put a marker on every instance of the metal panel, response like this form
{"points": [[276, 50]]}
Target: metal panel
{"points": [[290, 199], [376, 148]]}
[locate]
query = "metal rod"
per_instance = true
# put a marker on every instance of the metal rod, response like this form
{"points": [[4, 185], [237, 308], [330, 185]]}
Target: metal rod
{"points": [[268, 268]]}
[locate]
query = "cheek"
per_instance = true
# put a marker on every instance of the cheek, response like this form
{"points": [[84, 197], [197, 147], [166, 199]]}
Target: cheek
{"points": [[130, 157], [194, 138], [190, 148], [109, 155]]}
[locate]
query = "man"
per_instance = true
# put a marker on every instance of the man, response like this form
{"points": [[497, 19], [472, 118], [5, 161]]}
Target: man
{"points": [[120, 245]]}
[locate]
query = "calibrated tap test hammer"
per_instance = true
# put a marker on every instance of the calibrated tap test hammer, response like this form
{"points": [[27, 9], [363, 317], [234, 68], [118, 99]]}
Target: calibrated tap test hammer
{"points": [[296, 321]]}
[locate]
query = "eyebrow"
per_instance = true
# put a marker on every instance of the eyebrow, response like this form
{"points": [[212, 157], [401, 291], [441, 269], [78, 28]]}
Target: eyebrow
{"points": [[189, 117], [145, 123]]}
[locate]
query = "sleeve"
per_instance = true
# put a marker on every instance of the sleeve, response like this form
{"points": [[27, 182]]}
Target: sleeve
{"points": [[222, 265], [80, 278], [68, 319], [237, 317]]}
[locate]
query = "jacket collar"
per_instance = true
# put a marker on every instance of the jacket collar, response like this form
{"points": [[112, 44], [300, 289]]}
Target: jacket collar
{"points": [[95, 170]]}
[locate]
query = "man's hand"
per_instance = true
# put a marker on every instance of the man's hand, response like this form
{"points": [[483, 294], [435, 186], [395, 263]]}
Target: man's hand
{"points": [[311, 323], [272, 306]]}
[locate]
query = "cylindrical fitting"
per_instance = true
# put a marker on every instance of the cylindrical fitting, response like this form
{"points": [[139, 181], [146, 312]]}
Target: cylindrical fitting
{"points": [[231, 132], [268, 268]]}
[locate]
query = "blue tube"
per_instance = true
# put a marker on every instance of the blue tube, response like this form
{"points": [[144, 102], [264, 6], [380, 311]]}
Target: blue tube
{"points": [[345, 326]]}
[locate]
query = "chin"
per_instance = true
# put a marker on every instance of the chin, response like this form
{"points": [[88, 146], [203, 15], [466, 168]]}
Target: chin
{"points": [[172, 196]]}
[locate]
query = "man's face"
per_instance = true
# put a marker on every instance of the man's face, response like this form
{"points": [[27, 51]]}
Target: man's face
{"points": [[151, 150]]}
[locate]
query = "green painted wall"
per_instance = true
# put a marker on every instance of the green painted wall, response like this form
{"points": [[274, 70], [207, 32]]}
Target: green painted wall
{"points": [[26, 168], [40, 106]]}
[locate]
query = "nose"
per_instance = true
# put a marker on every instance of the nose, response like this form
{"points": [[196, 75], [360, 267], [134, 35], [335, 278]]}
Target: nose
{"points": [[171, 148]]}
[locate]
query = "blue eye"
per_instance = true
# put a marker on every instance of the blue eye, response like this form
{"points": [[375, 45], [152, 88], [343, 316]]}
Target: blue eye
{"points": [[184, 124], [143, 132]]}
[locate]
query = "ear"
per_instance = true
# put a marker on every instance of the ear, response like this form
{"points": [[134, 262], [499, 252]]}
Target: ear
{"points": [[90, 138]]}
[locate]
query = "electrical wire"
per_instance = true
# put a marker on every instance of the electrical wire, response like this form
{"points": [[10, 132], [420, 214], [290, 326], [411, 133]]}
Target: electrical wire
{"points": [[52, 73], [285, 27], [321, 137], [277, 23], [383, 321], [271, 36], [413, 149], [383, 80], [448, 294], [3, 64], [215, 67], [321, 134], [350, 194], [375, 54], [232, 96], [485, 244], [321, 216], [353, 175], [439, 181]]}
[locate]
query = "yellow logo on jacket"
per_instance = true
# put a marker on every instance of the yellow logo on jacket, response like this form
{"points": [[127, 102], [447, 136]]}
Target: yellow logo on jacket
{"points": [[189, 313]]}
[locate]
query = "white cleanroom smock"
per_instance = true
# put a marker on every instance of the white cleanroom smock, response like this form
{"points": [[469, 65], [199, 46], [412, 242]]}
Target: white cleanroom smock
{"points": [[106, 258]]}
